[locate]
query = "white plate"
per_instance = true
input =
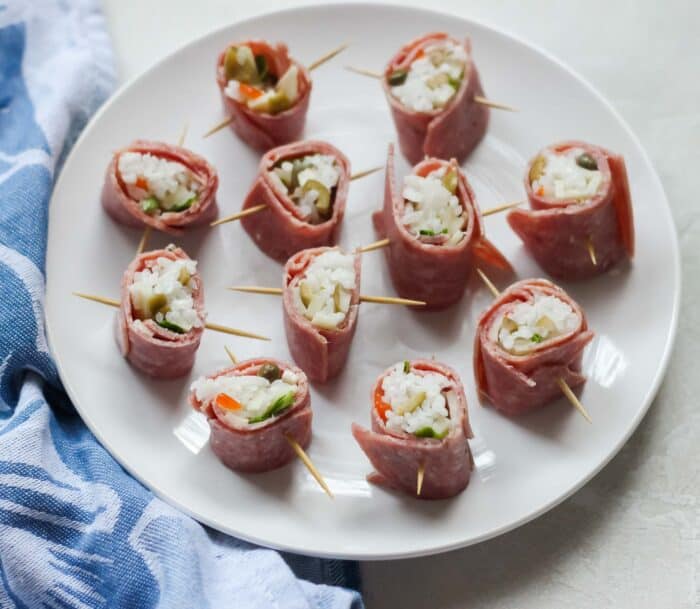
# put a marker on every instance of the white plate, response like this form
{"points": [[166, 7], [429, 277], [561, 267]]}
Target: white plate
{"points": [[524, 467]]}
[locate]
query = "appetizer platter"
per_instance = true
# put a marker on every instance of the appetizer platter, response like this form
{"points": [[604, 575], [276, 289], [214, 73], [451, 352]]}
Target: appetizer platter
{"points": [[375, 302]]}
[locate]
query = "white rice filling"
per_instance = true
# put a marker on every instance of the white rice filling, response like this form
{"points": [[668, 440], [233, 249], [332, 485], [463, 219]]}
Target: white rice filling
{"points": [[431, 209], [563, 178], [324, 293], [322, 168], [164, 293], [170, 182], [530, 323], [255, 394], [419, 402], [433, 79]]}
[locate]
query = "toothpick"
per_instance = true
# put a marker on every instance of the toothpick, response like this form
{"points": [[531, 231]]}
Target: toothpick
{"points": [[479, 99], [209, 325], [231, 356], [301, 453], [492, 104], [487, 281], [327, 57], [183, 135], [565, 389], [392, 300], [252, 289], [500, 208], [219, 126], [257, 208], [373, 246], [238, 215], [571, 396], [419, 480], [591, 251], [144, 240]]}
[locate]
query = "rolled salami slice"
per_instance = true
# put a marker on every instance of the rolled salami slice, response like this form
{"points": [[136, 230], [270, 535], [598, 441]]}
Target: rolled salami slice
{"points": [[430, 85], [166, 187], [531, 336], [435, 231], [161, 318], [252, 408], [580, 197], [321, 296], [419, 418], [305, 187], [265, 91]]}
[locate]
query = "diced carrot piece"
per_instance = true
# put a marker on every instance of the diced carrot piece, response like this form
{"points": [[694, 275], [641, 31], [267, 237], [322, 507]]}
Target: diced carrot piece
{"points": [[227, 402], [540, 191], [249, 91], [141, 183], [380, 405]]}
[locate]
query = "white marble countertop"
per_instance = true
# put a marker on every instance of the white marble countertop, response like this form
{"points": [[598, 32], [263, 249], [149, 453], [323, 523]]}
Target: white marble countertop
{"points": [[631, 537]]}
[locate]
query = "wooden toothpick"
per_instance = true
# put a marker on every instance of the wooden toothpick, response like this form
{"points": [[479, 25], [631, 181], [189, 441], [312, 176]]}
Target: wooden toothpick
{"points": [[258, 208], [563, 385], [419, 479], [479, 99], [231, 356], [252, 289], [301, 453], [374, 246], [500, 208], [209, 325], [591, 251]]}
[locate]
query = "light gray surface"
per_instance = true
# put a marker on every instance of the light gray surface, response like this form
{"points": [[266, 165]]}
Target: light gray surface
{"points": [[631, 537]]}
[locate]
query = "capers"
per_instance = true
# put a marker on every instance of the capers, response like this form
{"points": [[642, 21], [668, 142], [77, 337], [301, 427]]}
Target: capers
{"points": [[586, 161], [397, 77], [270, 371], [323, 200], [537, 169], [450, 179]]}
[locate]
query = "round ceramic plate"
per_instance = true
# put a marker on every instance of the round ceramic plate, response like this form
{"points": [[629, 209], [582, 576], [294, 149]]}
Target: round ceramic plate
{"points": [[523, 467]]}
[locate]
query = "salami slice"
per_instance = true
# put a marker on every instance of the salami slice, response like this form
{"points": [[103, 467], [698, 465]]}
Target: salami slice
{"points": [[246, 444], [320, 345], [432, 268], [452, 130], [397, 454], [128, 203], [263, 130], [285, 227], [559, 230], [524, 376], [161, 352]]}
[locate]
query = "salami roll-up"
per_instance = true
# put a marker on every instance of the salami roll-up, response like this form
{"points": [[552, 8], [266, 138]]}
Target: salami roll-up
{"points": [[321, 295], [580, 200], [254, 408], [435, 232], [419, 419], [264, 91], [304, 187], [532, 335], [161, 317], [166, 187], [430, 85]]}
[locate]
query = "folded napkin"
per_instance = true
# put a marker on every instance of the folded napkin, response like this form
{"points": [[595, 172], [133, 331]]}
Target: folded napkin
{"points": [[76, 531]]}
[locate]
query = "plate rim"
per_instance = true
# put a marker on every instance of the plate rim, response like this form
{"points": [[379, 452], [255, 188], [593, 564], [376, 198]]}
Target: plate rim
{"points": [[646, 402]]}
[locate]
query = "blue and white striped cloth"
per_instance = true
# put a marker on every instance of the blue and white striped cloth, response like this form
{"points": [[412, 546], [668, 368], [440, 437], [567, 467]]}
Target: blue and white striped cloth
{"points": [[75, 530]]}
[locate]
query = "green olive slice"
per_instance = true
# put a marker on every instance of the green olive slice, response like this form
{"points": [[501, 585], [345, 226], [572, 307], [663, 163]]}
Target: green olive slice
{"points": [[586, 161], [323, 201], [537, 169]]}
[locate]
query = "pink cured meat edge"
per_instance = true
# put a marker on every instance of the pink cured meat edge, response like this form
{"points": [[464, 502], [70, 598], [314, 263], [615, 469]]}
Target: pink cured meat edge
{"points": [[153, 350], [396, 456], [452, 131], [436, 274], [259, 447], [320, 353], [557, 232], [517, 384], [265, 131], [123, 209], [279, 230]]}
